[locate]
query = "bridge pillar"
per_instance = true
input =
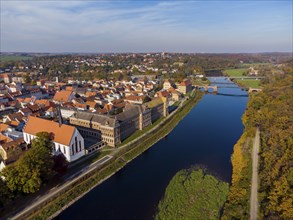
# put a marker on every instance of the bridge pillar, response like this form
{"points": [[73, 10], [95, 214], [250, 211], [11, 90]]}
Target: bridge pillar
{"points": [[215, 89], [206, 88]]}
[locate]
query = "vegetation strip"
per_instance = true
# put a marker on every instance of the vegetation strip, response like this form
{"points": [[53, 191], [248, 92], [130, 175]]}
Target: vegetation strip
{"points": [[271, 111], [89, 181]]}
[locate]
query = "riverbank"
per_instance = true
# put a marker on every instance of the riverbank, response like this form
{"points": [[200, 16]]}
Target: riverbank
{"points": [[237, 204], [270, 111], [243, 83], [120, 159]]}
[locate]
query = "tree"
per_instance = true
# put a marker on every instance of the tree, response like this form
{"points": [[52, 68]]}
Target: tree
{"points": [[33, 168], [42, 149], [27, 78], [6, 194], [60, 164], [272, 111], [192, 193]]}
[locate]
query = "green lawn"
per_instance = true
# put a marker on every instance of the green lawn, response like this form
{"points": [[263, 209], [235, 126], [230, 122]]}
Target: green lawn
{"points": [[249, 83], [235, 72], [4, 58], [138, 133]]}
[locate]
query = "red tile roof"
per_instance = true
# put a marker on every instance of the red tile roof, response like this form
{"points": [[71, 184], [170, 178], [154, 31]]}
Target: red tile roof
{"points": [[61, 134], [185, 83], [62, 96]]}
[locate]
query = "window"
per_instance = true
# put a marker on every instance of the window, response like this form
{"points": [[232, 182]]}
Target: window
{"points": [[76, 147], [79, 145]]}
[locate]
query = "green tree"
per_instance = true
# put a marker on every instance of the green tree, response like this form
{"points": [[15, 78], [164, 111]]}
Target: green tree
{"points": [[193, 194], [6, 194], [33, 168], [27, 78]]}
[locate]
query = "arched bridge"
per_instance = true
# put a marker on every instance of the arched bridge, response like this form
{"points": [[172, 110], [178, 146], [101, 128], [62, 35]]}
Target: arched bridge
{"points": [[206, 88], [254, 90]]}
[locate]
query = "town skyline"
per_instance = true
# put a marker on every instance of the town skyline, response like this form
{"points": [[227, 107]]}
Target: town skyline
{"points": [[143, 27]]}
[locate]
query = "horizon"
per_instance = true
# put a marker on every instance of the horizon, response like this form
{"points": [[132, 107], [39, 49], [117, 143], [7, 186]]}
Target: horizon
{"points": [[167, 52], [146, 26]]}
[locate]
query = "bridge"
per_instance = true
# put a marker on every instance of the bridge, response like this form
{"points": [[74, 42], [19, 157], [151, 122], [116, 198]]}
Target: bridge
{"points": [[206, 88], [223, 94], [223, 83], [254, 90], [244, 77], [235, 86]]}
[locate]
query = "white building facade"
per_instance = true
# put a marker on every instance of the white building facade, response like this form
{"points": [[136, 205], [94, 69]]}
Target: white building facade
{"points": [[66, 139]]}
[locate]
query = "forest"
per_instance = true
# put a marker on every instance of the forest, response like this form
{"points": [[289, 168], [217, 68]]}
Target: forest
{"points": [[271, 110]]}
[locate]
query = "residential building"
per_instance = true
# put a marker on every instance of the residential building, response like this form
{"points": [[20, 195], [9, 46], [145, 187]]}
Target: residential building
{"points": [[10, 150], [185, 86], [63, 96], [168, 84], [133, 99]]}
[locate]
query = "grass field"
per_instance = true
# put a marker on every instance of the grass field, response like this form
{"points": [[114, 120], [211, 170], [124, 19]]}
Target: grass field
{"points": [[235, 72], [249, 83], [14, 58]]}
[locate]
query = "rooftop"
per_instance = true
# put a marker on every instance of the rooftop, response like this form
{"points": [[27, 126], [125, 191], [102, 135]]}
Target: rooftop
{"points": [[61, 134]]}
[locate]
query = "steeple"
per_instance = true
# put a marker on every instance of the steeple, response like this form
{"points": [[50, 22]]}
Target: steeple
{"points": [[59, 115]]}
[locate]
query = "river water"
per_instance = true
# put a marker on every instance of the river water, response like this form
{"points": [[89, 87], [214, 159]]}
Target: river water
{"points": [[205, 137]]}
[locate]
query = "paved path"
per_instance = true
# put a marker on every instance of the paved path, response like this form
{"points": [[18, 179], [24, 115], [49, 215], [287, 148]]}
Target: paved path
{"points": [[56, 190], [254, 180]]}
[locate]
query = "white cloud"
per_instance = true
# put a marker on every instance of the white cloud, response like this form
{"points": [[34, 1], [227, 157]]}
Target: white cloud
{"points": [[101, 26]]}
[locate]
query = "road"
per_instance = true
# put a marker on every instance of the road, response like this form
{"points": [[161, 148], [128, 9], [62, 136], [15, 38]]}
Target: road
{"points": [[254, 180], [56, 190]]}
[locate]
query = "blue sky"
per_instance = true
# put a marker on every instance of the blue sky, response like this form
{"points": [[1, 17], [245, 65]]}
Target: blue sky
{"points": [[146, 26]]}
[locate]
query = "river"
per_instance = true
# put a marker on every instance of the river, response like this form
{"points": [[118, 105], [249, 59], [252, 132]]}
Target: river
{"points": [[205, 137]]}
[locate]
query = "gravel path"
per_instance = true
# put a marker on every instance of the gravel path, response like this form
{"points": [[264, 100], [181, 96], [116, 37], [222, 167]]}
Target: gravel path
{"points": [[254, 181]]}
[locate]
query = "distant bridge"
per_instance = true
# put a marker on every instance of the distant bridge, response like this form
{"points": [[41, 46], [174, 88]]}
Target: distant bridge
{"points": [[215, 89], [254, 90], [235, 77], [223, 83], [206, 88], [228, 86], [244, 77], [243, 95]]}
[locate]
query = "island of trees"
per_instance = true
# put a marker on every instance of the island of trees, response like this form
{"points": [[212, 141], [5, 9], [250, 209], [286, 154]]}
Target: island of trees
{"points": [[193, 194]]}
